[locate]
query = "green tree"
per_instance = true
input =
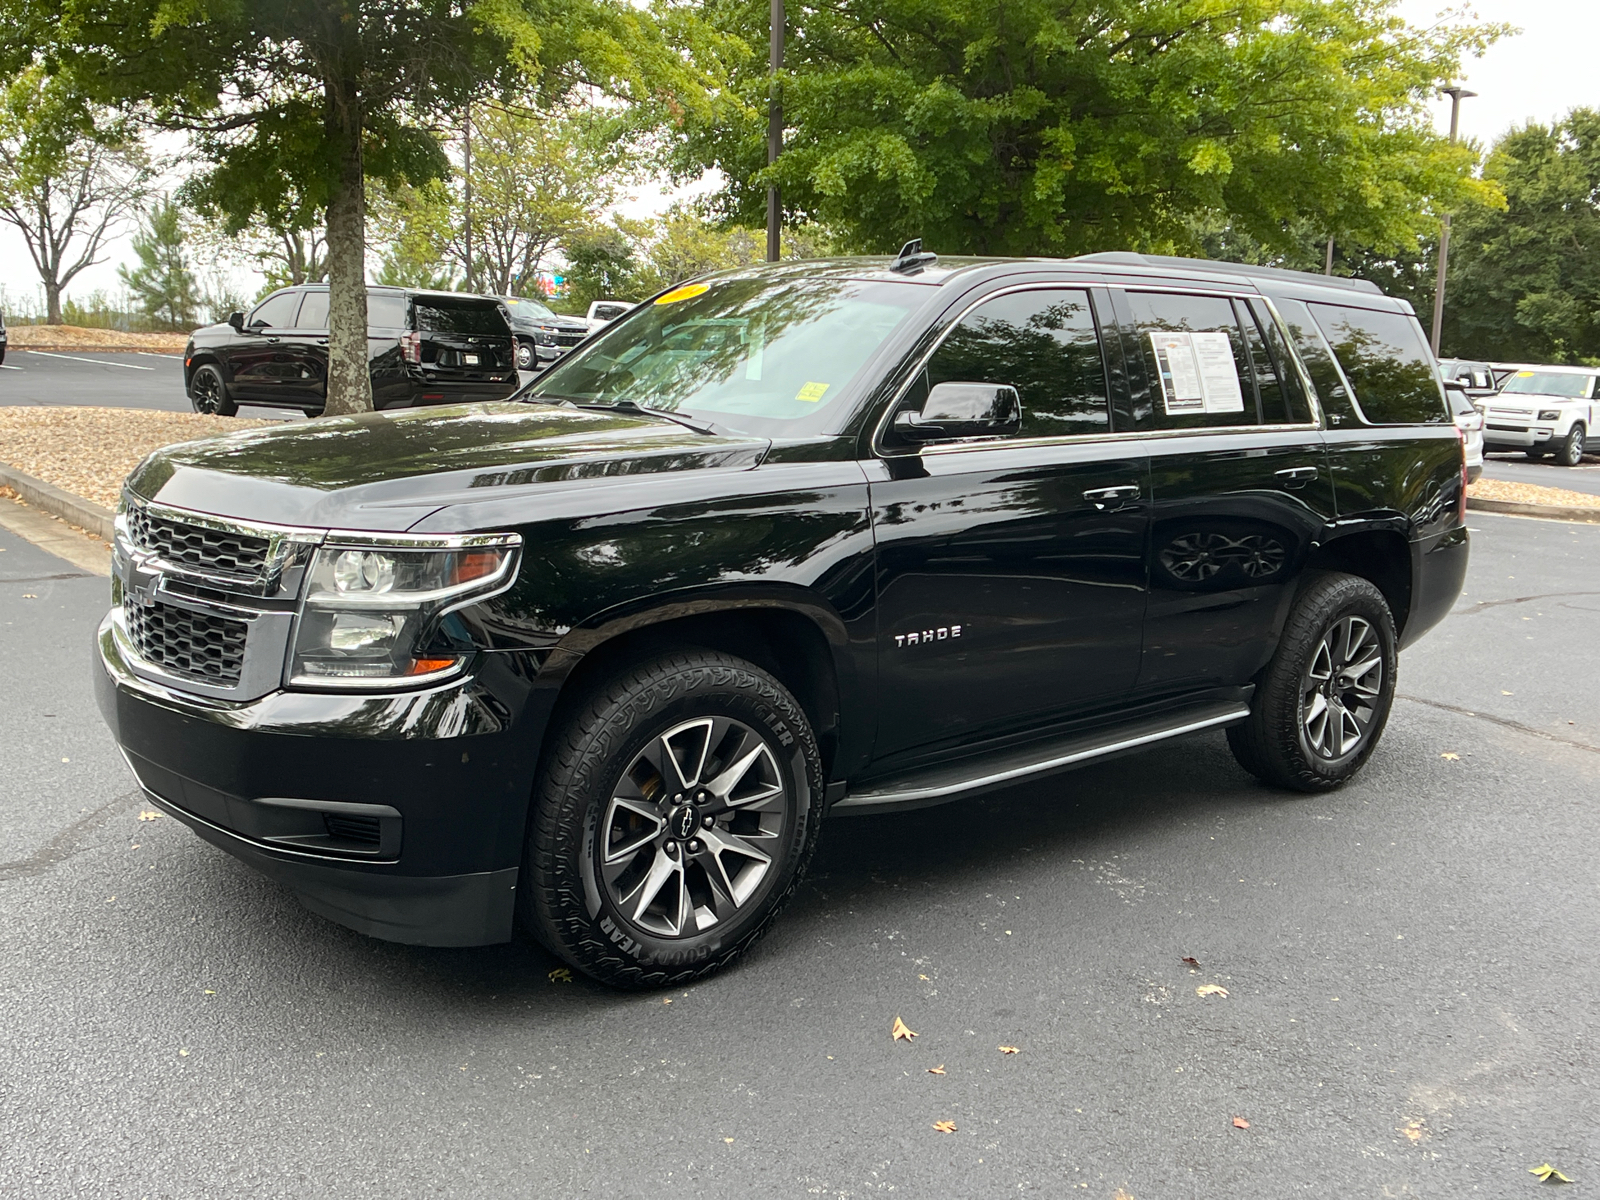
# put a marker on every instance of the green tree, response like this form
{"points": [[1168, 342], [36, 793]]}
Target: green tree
{"points": [[296, 103], [1524, 282], [163, 284], [1031, 126], [70, 177]]}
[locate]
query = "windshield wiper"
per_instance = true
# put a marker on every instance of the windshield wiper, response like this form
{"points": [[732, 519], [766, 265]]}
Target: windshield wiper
{"points": [[632, 406]]}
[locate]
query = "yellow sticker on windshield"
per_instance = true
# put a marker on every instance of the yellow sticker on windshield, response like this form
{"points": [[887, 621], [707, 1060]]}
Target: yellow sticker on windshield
{"points": [[687, 292], [811, 393], [1524, 374]]}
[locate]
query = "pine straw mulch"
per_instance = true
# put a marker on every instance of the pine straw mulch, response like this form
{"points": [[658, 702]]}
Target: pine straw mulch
{"points": [[1531, 493], [76, 337], [89, 451]]}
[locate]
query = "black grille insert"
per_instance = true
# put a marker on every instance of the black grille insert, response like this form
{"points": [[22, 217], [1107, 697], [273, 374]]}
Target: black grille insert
{"points": [[364, 830], [196, 546], [193, 645]]}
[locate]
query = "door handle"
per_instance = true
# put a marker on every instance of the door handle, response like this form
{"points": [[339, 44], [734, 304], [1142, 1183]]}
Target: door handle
{"points": [[322, 341], [273, 340], [1110, 499], [1296, 476]]}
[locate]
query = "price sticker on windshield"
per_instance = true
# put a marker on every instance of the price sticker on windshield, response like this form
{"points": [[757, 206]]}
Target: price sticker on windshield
{"points": [[812, 392], [687, 292]]}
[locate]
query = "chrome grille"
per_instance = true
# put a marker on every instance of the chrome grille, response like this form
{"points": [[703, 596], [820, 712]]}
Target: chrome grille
{"points": [[198, 646], [210, 550], [565, 337]]}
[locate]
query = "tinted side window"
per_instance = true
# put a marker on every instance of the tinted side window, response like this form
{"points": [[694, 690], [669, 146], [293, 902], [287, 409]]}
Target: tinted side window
{"points": [[1194, 358], [385, 311], [1387, 363], [1283, 399], [1309, 343], [313, 311], [1044, 344], [447, 316], [276, 312]]}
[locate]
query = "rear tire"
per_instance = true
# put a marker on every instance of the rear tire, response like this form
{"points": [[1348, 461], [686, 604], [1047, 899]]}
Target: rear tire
{"points": [[1321, 704], [672, 820], [209, 394], [1571, 452]]}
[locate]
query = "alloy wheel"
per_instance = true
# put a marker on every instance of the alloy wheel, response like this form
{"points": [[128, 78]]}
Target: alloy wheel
{"points": [[206, 392], [693, 826], [1341, 688]]}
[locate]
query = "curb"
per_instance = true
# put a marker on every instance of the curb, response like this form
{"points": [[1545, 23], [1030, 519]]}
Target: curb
{"points": [[1551, 512], [75, 510]]}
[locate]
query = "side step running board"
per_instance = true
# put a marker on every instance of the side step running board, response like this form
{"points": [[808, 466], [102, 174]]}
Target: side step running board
{"points": [[936, 785]]}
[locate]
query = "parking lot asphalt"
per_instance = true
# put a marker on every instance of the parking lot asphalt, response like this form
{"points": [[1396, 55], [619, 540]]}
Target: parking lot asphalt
{"points": [[1409, 964], [108, 378]]}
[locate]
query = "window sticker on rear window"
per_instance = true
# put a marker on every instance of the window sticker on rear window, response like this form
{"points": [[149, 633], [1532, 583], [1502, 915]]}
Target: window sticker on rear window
{"points": [[1197, 373]]}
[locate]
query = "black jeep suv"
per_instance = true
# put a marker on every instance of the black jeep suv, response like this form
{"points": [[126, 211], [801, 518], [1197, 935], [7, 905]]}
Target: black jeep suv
{"points": [[422, 348], [849, 536]]}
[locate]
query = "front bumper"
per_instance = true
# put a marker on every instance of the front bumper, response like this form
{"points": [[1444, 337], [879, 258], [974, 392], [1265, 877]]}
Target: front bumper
{"points": [[1512, 437], [439, 777]]}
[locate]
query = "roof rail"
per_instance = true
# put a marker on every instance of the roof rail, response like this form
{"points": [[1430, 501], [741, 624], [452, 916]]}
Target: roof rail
{"points": [[1129, 259]]}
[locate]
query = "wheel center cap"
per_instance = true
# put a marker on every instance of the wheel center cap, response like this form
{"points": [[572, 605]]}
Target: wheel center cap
{"points": [[683, 822]]}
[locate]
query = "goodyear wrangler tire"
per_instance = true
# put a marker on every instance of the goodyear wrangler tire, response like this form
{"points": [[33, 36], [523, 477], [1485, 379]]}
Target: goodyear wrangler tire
{"points": [[674, 815], [1321, 704]]}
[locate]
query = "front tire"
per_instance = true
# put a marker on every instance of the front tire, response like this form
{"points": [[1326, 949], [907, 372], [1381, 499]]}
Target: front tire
{"points": [[209, 394], [672, 820], [1571, 452], [1321, 704], [527, 356]]}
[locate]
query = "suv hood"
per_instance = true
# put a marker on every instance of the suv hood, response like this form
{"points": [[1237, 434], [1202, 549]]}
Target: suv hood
{"points": [[384, 472]]}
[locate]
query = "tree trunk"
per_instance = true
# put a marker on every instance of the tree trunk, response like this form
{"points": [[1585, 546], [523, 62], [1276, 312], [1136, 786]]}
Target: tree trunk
{"points": [[349, 379], [52, 301]]}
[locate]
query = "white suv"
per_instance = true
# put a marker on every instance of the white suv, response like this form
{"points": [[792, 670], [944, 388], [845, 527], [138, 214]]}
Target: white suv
{"points": [[1543, 410]]}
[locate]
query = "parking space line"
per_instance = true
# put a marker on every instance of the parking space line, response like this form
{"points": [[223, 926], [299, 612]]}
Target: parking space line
{"points": [[8, 367], [97, 361], [158, 354]]}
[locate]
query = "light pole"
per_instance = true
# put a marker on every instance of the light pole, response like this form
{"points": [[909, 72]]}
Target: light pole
{"points": [[1457, 95], [774, 128]]}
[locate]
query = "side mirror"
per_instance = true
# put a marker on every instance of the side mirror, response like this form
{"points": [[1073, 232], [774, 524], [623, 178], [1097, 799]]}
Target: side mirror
{"points": [[963, 410], [237, 321]]}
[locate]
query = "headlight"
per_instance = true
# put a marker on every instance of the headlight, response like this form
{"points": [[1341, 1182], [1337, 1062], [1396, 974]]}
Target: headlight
{"points": [[1550, 414], [546, 337], [376, 614]]}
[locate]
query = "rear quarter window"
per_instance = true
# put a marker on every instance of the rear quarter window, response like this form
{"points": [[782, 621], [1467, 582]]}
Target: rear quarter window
{"points": [[1387, 363], [445, 316]]}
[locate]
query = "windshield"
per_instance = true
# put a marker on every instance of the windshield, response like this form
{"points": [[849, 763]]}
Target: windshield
{"points": [[522, 307], [1548, 383], [765, 355]]}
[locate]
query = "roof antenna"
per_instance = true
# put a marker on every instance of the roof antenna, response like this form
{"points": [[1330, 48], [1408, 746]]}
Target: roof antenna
{"points": [[912, 257]]}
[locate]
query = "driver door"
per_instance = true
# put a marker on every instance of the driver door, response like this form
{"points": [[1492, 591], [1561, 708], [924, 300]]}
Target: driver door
{"points": [[1011, 578]]}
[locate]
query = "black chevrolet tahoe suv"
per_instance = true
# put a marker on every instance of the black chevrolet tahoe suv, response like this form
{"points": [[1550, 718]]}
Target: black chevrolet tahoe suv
{"points": [[847, 536], [422, 348]]}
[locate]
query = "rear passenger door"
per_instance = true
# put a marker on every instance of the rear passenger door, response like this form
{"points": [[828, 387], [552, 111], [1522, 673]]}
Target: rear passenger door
{"points": [[1240, 487], [1010, 570]]}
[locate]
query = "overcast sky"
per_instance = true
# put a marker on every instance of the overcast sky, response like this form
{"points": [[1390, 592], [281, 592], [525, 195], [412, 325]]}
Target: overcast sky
{"points": [[1541, 73]]}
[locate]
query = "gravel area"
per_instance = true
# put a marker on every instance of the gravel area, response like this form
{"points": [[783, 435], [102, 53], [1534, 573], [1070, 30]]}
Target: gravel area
{"points": [[89, 451], [76, 337], [1530, 493]]}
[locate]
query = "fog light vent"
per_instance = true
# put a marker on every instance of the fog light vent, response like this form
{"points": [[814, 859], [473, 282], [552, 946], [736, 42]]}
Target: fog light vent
{"points": [[363, 830]]}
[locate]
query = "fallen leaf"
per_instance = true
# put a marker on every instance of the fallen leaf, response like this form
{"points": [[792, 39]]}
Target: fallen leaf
{"points": [[29, 596], [899, 1032], [1548, 1173], [209, 992], [1008, 1049], [728, 1140], [1413, 1130], [1240, 1123], [939, 1070], [183, 1052], [1192, 963], [1503, 692], [1450, 756], [945, 1126], [561, 975], [668, 1000], [925, 979], [1211, 989], [66, 760], [149, 814]]}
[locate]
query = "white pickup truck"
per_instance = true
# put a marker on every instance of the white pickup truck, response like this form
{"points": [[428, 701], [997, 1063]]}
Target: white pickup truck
{"points": [[1543, 410]]}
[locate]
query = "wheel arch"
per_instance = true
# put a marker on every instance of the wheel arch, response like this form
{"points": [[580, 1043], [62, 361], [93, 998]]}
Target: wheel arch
{"points": [[802, 644], [1381, 555]]}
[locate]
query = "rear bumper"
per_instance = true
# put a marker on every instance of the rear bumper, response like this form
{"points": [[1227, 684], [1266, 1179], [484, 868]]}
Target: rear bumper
{"points": [[439, 779], [1438, 571]]}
